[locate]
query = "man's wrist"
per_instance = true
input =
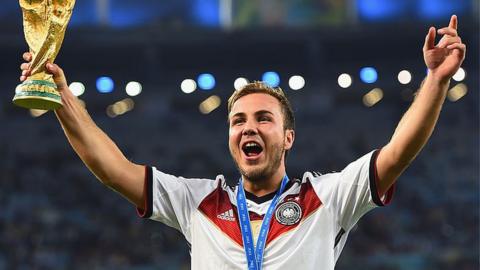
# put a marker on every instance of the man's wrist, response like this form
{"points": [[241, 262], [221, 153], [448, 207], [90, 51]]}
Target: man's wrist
{"points": [[441, 80]]}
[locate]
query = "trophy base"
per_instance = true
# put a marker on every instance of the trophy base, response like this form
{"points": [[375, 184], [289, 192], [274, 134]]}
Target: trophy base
{"points": [[37, 94]]}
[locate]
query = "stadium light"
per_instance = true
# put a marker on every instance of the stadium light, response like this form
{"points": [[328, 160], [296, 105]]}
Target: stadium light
{"points": [[459, 75], [239, 83], [344, 80], [77, 88], [368, 75], [120, 107], [296, 82], [133, 88], [105, 84], [37, 113], [18, 89], [457, 92], [188, 86], [206, 81], [373, 97], [404, 77], [209, 104], [271, 78]]}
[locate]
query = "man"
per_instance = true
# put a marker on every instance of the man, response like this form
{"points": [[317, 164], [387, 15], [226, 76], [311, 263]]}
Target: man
{"points": [[268, 221]]}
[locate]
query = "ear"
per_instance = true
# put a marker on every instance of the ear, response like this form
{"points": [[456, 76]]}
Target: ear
{"points": [[289, 138]]}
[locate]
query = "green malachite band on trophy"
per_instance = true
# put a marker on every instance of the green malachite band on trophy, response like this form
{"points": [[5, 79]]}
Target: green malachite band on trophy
{"points": [[37, 94], [40, 82]]}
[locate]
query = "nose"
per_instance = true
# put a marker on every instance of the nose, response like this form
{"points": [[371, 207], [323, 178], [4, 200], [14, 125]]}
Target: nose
{"points": [[249, 129]]}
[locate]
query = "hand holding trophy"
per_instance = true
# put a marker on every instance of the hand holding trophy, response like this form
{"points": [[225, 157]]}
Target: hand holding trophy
{"points": [[44, 23]]}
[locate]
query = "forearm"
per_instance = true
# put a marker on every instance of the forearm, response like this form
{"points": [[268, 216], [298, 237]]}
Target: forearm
{"points": [[412, 132], [416, 126], [98, 151]]}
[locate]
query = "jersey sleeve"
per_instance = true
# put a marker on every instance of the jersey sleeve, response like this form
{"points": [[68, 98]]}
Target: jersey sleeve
{"points": [[170, 199], [351, 193]]}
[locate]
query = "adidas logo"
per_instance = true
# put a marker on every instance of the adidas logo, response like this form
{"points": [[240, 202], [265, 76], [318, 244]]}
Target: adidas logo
{"points": [[227, 215]]}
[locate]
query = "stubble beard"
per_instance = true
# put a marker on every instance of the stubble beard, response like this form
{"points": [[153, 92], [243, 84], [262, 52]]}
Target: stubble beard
{"points": [[263, 173]]}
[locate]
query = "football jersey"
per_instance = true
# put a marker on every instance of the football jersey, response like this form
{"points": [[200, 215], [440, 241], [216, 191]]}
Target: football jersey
{"points": [[308, 229]]}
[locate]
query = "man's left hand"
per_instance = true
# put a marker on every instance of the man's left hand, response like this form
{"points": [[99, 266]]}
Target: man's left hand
{"points": [[444, 59]]}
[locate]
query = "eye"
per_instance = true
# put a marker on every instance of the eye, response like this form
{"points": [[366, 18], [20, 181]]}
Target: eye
{"points": [[264, 118], [237, 121]]}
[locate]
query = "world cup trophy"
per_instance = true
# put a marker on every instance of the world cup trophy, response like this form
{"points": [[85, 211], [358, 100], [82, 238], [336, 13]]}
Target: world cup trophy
{"points": [[44, 25]]}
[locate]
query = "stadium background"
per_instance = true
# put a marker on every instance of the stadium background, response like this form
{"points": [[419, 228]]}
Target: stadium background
{"points": [[55, 215]]}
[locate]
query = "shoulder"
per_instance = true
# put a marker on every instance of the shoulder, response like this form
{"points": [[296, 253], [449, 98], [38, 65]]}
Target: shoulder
{"points": [[198, 187], [160, 175], [316, 176]]}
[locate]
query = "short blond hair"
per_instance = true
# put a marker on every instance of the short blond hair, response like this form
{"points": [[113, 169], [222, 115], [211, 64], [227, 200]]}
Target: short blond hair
{"points": [[277, 92]]}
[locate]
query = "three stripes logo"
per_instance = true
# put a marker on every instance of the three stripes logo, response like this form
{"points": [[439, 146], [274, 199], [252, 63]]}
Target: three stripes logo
{"points": [[227, 215]]}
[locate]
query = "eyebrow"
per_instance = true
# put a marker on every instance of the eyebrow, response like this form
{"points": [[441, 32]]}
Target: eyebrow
{"points": [[257, 113], [263, 112]]}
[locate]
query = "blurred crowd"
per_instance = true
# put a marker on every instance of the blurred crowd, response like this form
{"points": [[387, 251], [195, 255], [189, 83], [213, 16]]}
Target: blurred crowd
{"points": [[56, 215]]}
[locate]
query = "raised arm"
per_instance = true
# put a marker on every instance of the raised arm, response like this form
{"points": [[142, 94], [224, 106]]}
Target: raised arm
{"points": [[93, 146], [416, 126]]}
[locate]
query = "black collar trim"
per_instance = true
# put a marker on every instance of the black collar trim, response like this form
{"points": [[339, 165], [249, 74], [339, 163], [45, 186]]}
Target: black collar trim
{"points": [[267, 197]]}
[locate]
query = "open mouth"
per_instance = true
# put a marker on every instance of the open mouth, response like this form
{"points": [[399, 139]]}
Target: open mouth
{"points": [[252, 149]]}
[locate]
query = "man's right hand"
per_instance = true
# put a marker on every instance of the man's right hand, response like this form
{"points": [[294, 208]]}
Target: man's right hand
{"points": [[54, 69], [93, 146]]}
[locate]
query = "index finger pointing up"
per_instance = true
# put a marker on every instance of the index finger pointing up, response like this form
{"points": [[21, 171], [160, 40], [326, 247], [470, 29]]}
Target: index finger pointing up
{"points": [[453, 22]]}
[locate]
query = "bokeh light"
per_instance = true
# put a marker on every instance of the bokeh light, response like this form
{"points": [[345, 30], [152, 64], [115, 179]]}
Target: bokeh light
{"points": [[77, 88], [459, 75], [271, 78], [105, 85], [133, 88], [206, 81], [373, 97], [457, 92], [188, 86], [296, 82], [240, 83], [368, 75], [209, 104], [344, 80], [404, 77]]}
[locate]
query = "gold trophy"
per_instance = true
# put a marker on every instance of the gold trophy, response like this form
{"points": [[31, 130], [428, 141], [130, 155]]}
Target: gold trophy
{"points": [[44, 25]]}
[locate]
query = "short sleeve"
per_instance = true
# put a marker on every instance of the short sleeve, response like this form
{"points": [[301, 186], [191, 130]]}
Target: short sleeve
{"points": [[351, 193], [170, 199]]}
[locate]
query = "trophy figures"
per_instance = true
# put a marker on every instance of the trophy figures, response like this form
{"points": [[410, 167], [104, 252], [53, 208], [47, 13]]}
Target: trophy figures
{"points": [[44, 24]]}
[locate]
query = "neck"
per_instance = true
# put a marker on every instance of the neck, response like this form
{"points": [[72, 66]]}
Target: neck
{"points": [[266, 186]]}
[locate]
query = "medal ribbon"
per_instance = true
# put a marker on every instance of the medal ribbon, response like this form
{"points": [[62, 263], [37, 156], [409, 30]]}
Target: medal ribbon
{"points": [[255, 255]]}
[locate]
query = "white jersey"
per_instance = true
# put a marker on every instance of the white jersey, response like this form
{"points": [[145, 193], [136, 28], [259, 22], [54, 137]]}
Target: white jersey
{"points": [[308, 229]]}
